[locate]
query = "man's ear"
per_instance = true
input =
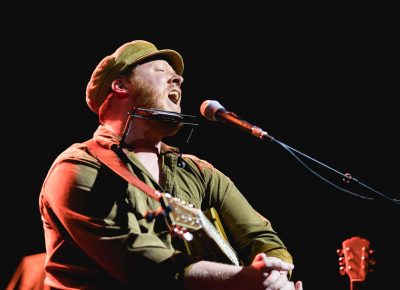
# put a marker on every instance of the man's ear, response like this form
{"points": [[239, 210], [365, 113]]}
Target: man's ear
{"points": [[119, 88]]}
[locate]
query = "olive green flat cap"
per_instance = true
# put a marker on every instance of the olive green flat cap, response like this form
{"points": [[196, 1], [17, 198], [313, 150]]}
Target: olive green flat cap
{"points": [[113, 65]]}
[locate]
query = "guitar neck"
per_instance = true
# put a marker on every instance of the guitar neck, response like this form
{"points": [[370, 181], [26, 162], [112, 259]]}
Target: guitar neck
{"points": [[213, 233], [357, 285]]}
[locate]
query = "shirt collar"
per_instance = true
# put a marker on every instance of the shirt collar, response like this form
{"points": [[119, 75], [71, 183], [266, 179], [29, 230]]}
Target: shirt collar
{"points": [[107, 139]]}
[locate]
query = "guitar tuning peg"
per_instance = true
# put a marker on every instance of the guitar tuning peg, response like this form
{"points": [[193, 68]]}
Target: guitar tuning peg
{"points": [[341, 261], [339, 252], [188, 236], [371, 252], [182, 233], [177, 231], [371, 262], [371, 265], [342, 270]]}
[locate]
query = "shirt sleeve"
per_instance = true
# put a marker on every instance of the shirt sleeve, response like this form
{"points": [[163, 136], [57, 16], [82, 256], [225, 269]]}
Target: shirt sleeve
{"points": [[96, 217], [248, 231]]}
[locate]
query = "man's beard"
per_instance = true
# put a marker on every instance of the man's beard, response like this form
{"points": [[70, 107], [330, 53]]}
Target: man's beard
{"points": [[148, 98]]}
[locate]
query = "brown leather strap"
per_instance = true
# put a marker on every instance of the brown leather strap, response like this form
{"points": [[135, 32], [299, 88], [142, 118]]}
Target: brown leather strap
{"points": [[111, 159]]}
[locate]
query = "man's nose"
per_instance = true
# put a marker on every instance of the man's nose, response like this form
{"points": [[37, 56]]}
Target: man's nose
{"points": [[176, 79]]}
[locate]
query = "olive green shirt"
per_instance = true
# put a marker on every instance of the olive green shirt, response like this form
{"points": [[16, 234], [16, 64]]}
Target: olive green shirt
{"points": [[97, 234]]}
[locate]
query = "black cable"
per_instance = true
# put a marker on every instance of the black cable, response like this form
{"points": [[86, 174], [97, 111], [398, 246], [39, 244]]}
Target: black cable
{"points": [[292, 151]]}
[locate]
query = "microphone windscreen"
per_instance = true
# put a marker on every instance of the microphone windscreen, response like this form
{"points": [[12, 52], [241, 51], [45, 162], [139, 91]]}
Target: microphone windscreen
{"points": [[208, 109]]}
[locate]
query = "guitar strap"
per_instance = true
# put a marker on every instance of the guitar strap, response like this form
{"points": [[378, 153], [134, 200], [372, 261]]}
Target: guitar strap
{"points": [[112, 158]]}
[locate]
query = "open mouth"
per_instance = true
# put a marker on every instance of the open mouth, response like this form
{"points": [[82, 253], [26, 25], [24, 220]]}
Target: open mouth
{"points": [[174, 96]]}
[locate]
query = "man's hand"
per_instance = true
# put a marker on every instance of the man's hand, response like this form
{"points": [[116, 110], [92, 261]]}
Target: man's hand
{"points": [[275, 273], [264, 273]]}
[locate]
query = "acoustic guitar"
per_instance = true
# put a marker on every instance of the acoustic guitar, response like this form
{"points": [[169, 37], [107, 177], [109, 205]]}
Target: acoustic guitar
{"points": [[202, 232]]}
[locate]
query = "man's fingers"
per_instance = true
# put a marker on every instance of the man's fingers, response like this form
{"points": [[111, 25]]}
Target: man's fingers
{"points": [[259, 257], [299, 285], [277, 264]]}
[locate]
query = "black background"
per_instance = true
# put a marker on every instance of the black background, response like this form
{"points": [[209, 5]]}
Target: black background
{"points": [[321, 80]]}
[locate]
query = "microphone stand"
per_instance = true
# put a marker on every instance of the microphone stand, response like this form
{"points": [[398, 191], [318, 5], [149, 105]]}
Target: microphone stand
{"points": [[263, 135]]}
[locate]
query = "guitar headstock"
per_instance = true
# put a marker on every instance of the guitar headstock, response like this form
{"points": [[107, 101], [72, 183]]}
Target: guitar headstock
{"points": [[355, 258], [181, 217]]}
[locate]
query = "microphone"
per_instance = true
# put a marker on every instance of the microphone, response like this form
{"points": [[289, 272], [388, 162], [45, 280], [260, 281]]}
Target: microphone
{"points": [[213, 111]]}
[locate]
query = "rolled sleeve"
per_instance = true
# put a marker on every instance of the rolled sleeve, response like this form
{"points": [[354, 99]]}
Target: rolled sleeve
{"points": [[247, 230]]}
